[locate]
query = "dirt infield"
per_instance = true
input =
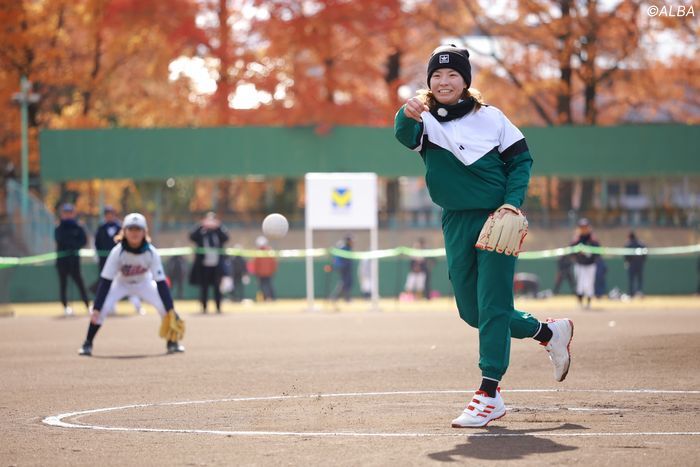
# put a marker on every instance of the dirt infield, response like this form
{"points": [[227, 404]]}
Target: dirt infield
{"points": [[270, 385]]}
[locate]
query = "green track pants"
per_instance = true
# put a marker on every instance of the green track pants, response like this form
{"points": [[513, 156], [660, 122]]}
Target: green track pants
{"points": [[483, 287]]}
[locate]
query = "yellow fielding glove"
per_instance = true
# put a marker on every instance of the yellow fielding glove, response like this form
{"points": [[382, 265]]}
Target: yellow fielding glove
{"points": [[504, 231], [172, 328]]}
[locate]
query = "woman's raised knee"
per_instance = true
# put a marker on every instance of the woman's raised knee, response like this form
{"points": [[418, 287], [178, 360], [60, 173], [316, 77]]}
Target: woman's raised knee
{"points": [[471, 317]]}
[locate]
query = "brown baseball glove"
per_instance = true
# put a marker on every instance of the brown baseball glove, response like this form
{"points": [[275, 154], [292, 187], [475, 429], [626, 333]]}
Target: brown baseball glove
{"points": [[504, 231]]}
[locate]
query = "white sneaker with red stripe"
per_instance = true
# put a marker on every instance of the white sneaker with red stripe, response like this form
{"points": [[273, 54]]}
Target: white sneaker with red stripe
{"points": [[481, 410], [559, 345]]}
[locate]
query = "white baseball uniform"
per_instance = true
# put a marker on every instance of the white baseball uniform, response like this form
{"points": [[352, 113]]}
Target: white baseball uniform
{"points": [[132, 274], [585, 279]]}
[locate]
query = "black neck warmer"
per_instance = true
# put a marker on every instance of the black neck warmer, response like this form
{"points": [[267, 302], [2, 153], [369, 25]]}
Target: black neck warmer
{"points": [[136, 251], [445, 113]]}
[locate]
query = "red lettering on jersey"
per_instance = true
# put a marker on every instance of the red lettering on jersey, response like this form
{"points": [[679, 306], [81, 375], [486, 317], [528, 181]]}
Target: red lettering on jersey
{"points": [[132, 270]]}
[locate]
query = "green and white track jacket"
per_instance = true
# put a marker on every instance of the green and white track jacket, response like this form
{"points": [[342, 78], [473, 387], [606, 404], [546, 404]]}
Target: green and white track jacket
{"points": [[479, 161]]}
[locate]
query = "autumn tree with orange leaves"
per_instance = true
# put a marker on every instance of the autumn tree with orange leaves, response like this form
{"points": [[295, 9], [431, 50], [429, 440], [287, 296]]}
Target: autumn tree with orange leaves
{"points": [[557, 62], [337, 62], [94, 63], [330, 62]]}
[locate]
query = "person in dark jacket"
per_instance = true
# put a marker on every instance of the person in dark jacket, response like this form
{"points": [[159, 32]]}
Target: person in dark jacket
{"points": [[239, 274], [104, 237], [344, 268], [601, 278], [585, 263], [564, 273], [635, 266], [70, 238], [208, 267]]}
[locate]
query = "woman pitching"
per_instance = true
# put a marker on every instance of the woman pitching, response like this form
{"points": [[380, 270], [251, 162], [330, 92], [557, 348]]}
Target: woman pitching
{"points": [[133, 268], [477, 169]]}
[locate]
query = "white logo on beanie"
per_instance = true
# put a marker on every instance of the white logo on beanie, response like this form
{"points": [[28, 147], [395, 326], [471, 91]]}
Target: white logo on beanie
{"points": [[444, 58]]}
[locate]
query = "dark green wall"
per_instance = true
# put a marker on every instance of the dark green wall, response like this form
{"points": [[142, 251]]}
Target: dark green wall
{"points": [[156, 154], [664, 275]]}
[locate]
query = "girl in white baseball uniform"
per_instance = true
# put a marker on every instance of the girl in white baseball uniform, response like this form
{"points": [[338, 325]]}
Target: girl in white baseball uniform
{"points": [[134, 268], [585, 264]]}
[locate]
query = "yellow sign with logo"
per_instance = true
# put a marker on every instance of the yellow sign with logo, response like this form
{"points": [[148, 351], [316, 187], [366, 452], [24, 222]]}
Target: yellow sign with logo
{"points": [[341, 197]]}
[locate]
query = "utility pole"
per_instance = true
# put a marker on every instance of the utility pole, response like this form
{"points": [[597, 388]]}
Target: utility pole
{"points": [[25, 97]]}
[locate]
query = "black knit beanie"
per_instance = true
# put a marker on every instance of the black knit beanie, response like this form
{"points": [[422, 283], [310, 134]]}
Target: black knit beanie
{"points": [[451, 56]]}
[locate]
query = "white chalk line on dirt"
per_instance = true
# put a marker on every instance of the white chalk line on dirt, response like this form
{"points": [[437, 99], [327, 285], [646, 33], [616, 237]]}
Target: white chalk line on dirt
{"points": [[58, 420]]}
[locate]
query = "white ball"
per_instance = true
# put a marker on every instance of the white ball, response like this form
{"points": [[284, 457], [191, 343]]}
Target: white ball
{"points": [[275, 226]]}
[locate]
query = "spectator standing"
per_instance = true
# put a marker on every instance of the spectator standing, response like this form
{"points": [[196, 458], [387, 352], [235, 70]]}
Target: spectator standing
{"points": [[601, 278], [585, 263], [417, 273], [427, 269], [239, 273], [564, 273], [264, 268], [635, 266], [343, 266], [364, 276], [70, 238], [104, 237], [209, 236]]}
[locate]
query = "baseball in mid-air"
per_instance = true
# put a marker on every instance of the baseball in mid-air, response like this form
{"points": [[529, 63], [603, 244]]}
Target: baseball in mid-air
{"points": [[275, 226]]}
